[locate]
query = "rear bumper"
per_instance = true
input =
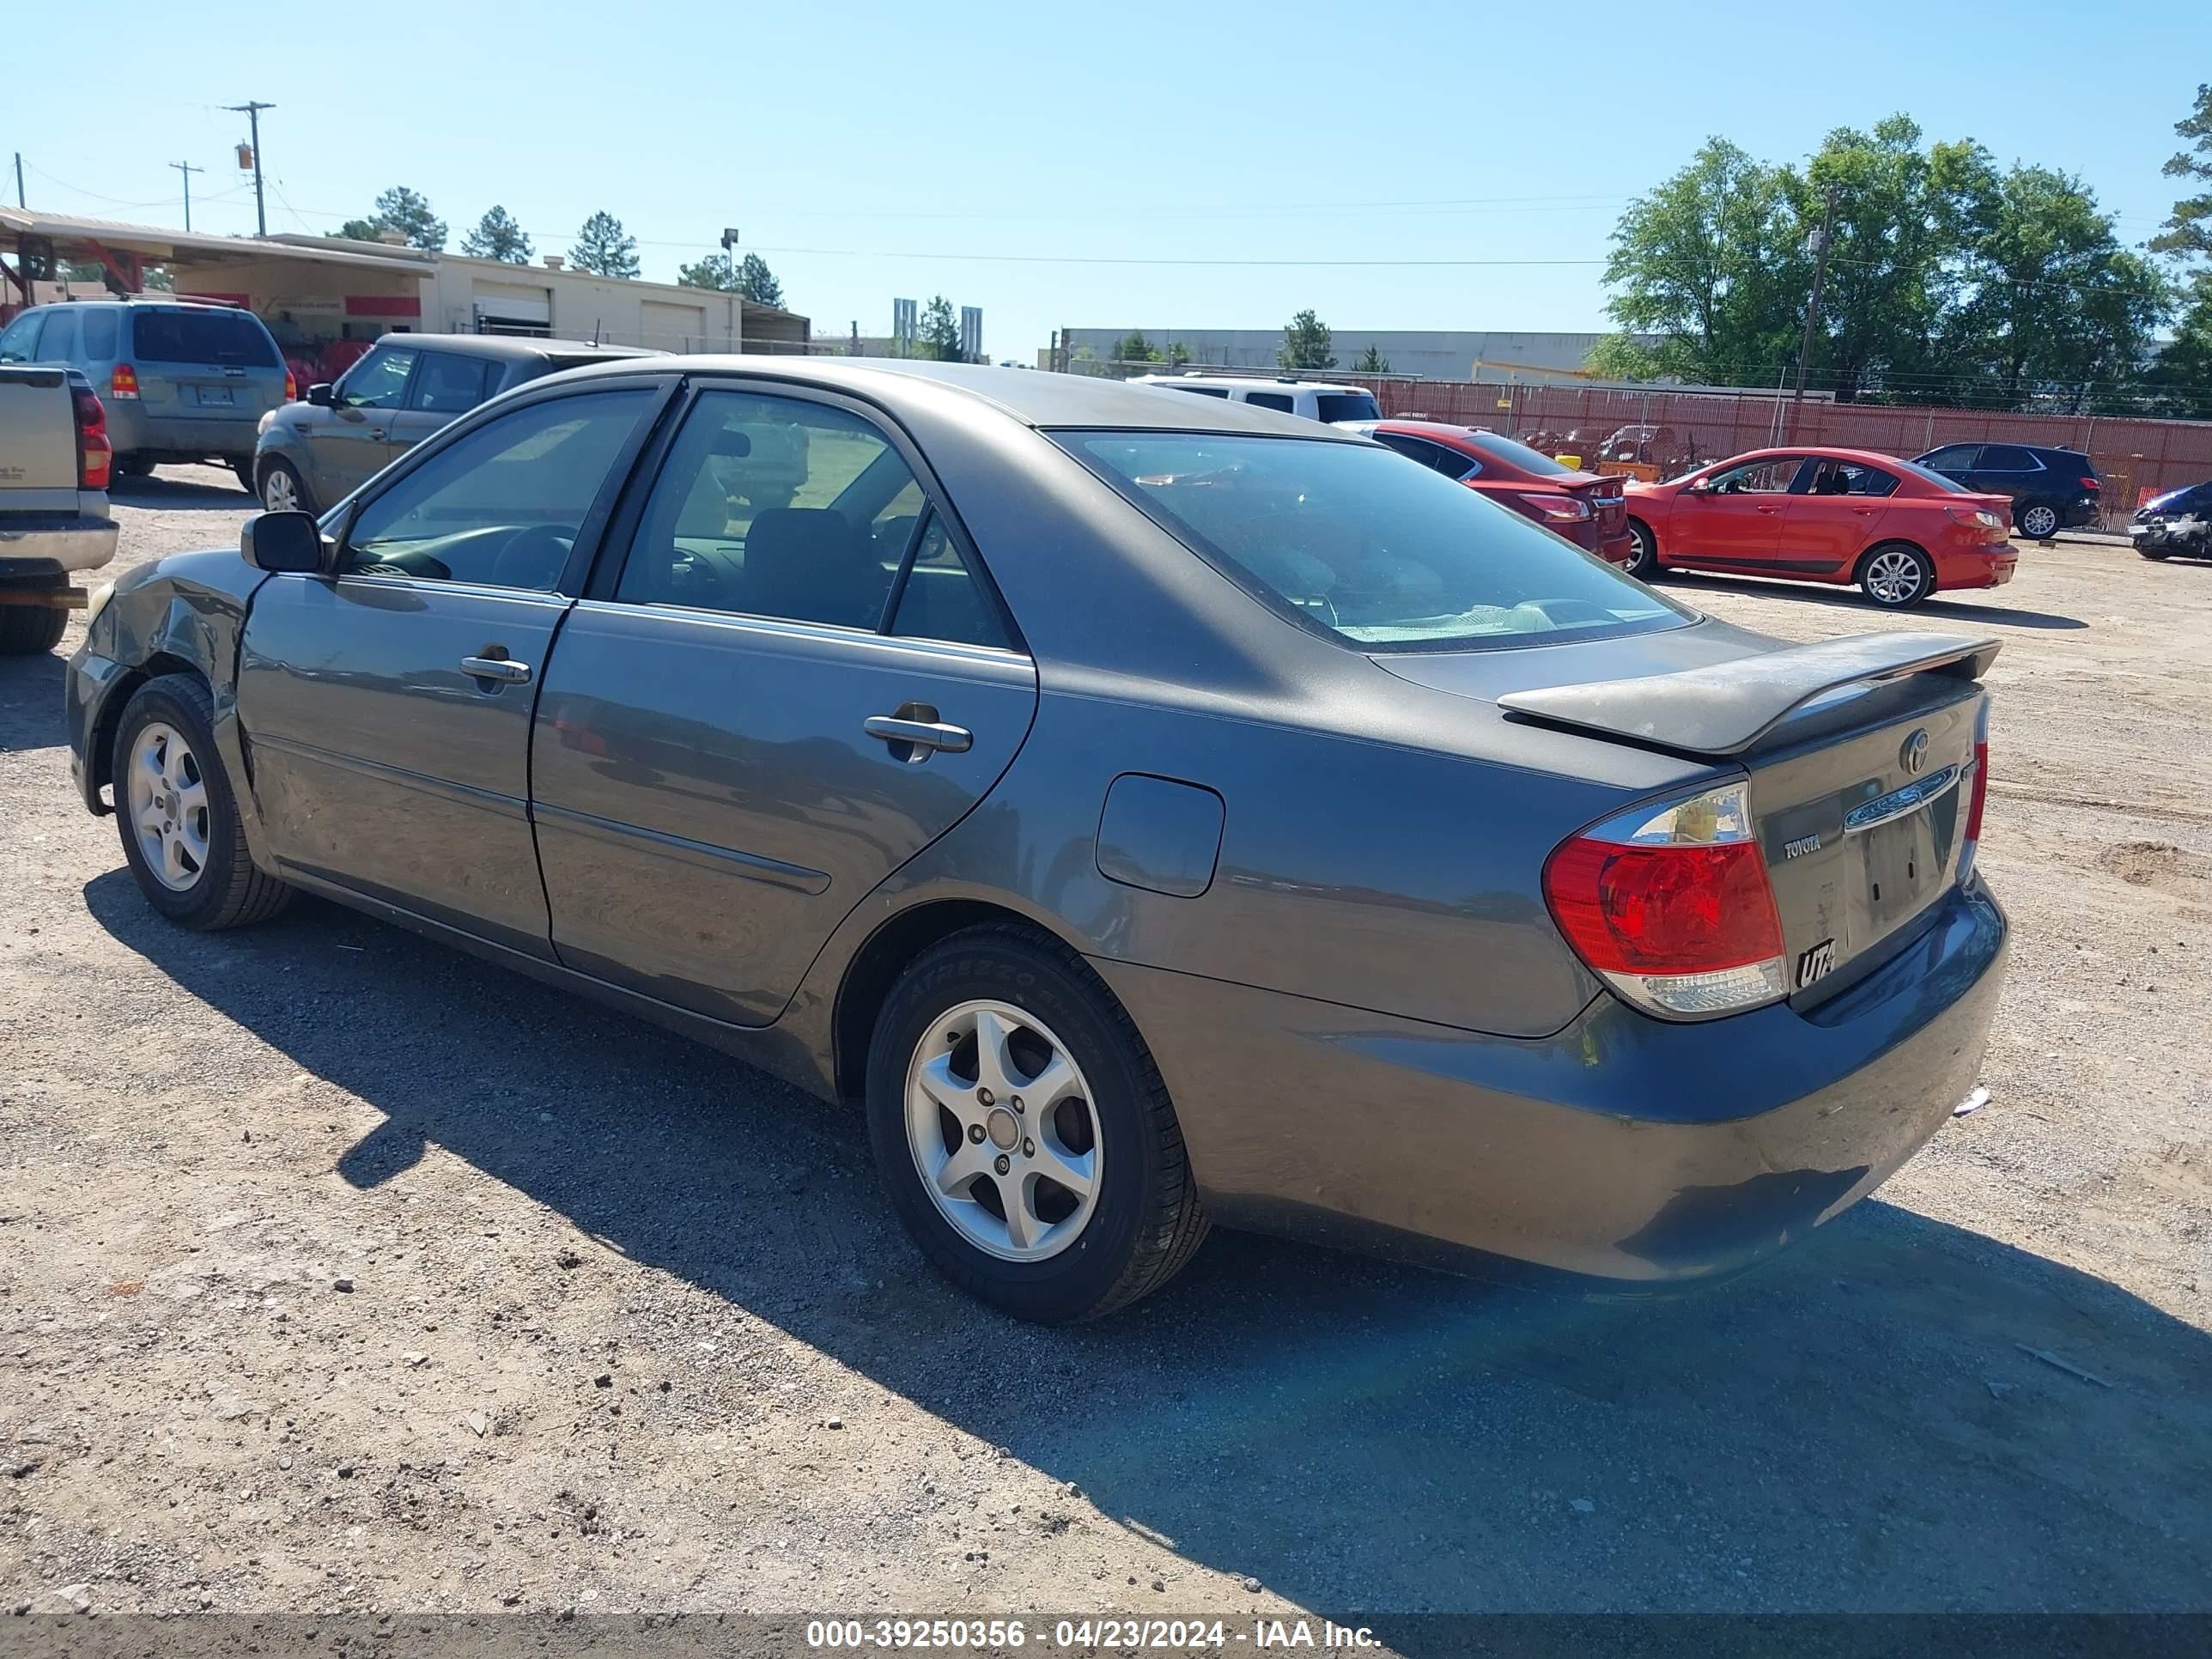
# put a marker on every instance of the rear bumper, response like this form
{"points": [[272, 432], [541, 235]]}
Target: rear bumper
{"points": [[34, 544], [1984, 565], [134, 431], [1623, 1149]]}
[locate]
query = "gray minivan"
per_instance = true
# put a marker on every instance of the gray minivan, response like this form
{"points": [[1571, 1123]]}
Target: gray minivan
{"points": [[181, 381]]}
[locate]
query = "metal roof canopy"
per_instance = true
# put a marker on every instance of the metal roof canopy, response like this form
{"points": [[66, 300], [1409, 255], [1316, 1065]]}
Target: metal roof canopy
{"points": [[76, 237]]}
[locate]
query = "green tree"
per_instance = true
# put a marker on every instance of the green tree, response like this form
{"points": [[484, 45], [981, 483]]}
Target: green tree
{"points": [[1372, 361], [497, 236], [1623, 357], [1178, 353], [2049, 302], [758, 283], [2181, 380], [603, 248], [1712, 262], [1134, 348], [403, 210], [938, 335], [717, 271], [1306, 343]]}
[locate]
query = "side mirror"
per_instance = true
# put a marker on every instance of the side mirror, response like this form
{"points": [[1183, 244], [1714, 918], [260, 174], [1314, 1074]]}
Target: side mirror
{"points": [[284, 542], [320, 394]]}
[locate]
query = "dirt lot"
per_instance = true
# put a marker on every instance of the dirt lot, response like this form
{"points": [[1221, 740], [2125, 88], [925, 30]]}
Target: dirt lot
{"points": [[339, 1272]]}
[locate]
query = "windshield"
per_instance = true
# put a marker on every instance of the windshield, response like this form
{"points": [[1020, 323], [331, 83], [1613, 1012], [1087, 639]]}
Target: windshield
{"points": [[1350, 541], [203, 337]]}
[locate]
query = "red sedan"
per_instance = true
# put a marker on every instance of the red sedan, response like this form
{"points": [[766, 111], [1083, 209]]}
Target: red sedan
{"points": [[1841, 516], [1590, 511]]}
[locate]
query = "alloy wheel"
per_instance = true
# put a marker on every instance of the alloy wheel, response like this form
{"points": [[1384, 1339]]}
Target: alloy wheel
{"points": [[279, 493], [169, 807], [2039, 521], [999, 1120], [1894, 577]]}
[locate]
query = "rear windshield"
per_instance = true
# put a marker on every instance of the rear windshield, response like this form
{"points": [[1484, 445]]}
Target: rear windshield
{"points": [[1346, 406], [1349, 542], [1534, 462], [1914, 470], [203, 337]]}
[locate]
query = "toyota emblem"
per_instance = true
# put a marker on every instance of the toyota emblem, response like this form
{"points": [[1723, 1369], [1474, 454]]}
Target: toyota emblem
{"points": [[1914, 755]]}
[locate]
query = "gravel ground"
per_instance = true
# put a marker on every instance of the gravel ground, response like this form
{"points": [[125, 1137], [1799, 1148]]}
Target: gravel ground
{"points": [[340, 1273]]}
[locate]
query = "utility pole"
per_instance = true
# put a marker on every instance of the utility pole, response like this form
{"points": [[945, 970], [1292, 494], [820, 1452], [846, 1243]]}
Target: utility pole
{"points": [[1821, 239], [20, 202], [251, 110], [187, 169]]}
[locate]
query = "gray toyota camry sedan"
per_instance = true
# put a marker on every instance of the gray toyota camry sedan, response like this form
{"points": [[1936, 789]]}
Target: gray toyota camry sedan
{"points": [[1151, 810]]}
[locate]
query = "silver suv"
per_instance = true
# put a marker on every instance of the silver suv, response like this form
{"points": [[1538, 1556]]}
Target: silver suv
{"points": [[313, 454], [181, 381]]}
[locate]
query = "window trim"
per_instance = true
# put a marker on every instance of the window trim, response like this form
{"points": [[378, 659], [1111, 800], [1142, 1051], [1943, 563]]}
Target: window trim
{"points": [[619, 539], [590, 535], [2034, 462]]}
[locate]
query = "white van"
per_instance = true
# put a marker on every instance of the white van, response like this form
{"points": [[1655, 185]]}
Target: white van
{"points": [[1317, 400]]}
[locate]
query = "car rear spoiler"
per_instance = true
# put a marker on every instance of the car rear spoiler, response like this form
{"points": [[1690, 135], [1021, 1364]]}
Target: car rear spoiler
{"points": [[1725, 709]]}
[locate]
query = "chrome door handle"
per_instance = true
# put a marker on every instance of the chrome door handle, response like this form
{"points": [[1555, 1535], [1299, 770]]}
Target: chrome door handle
{"points": [[503, 668], [923, 734]]}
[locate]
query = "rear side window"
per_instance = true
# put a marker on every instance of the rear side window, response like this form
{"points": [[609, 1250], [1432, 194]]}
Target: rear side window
{"points": [[1349, 542], [1533, 462], [1435, 457], [2005, 457], [1271, 400], [1205, 391], [100, 335], [446, 385], [1346, 406], [228, 338], [1952, 458], [59, 340]]}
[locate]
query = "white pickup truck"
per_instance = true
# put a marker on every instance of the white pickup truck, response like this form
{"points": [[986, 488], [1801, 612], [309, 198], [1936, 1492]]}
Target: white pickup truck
{"points": [[54, 462]]}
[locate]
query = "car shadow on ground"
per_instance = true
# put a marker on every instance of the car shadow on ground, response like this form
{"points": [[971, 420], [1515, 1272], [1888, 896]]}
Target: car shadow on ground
{"points": [[1857, 1426], [161, 494], [31, 701], [1945, 606]]}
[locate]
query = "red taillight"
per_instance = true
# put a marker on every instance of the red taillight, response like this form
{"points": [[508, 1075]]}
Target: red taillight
{"points": [[2093, 486], [123, 382], [1557, 509], [95, 454], [291, 387], [1672, 907], [1980, 797]]}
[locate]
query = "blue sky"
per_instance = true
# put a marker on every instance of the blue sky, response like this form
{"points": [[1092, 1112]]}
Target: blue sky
{"points": [[871, 151]]}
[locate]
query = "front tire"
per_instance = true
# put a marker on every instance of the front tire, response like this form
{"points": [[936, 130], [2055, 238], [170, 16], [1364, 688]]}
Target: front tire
{"points": [[2155, 555], [179, 822], [1897, 575], [1023, 1132], [1644, 563], [2039, 523], [282, 489], [28, 630]]}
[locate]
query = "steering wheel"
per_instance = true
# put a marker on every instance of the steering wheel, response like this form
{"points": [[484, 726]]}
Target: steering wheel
{"points": [[534, 557]]}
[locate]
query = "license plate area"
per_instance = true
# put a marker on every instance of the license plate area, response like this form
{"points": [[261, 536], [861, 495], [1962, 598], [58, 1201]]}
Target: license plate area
{"points": [[216, 397]]}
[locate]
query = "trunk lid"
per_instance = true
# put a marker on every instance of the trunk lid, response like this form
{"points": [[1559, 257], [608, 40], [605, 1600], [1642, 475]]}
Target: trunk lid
{"points": [[1860, 754], [1607, 498]]}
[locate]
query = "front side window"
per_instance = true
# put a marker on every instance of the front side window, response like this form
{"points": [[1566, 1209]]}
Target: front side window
{"points": [[1767, 478], [446, 385], [776, 506], [1952, 458], [1347, 541], [502, 505], [20, 336], [379, 381]]}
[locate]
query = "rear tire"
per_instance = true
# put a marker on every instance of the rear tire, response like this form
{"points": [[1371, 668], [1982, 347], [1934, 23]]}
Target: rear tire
{"points": [[1643, 563], [134, 467], [2155, 555], [179, 822], [26, 630], [244, 472], [1136, 1221], [2039, 522], [282, 489], [1897, 575]]}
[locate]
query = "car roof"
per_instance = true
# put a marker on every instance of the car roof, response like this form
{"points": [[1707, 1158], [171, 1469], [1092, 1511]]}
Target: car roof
{"points": [[1826, 451], [1036, 398], [1278, 383], [514, 348]]}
